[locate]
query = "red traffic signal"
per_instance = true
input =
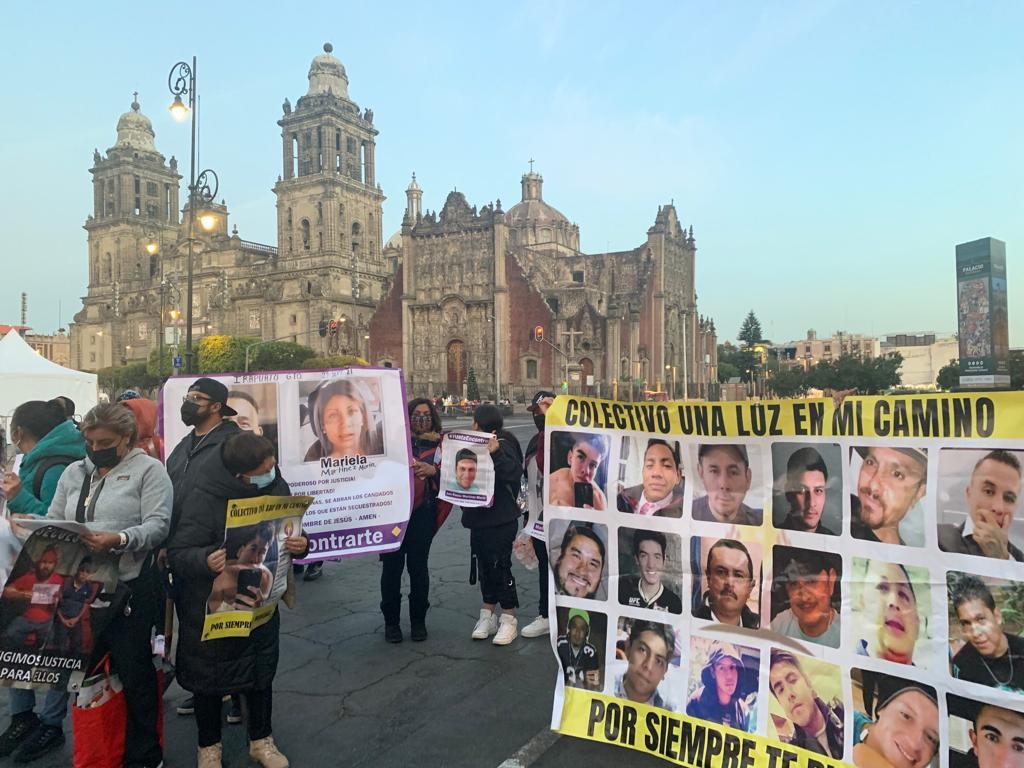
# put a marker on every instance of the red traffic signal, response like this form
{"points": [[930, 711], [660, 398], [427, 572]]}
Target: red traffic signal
{"points": [[537, 334]]}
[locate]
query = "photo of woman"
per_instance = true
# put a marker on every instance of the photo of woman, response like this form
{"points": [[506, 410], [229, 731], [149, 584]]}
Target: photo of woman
{"points": [[245, 582], [344, 415]]}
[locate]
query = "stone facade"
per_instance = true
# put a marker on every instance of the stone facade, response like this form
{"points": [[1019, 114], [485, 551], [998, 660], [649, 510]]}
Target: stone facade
{"points": [[453, 291], [473, 283]]}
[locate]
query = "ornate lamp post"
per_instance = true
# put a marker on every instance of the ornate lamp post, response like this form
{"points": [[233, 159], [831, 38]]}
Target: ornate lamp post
{"points": [[201, 191]]}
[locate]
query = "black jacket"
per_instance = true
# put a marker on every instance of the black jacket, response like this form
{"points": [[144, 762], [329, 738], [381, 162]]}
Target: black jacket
{"points": [[185, 463], [508, 469], [227, 665]]}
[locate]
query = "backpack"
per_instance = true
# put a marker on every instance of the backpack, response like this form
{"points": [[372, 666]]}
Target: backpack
{"points": [[45, 466]]}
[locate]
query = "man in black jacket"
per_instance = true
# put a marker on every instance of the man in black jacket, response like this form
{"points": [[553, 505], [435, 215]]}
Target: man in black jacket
{"points": [[204, 408], [492, 530]]}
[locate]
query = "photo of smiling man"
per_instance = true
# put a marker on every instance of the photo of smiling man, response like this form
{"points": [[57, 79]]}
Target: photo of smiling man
{"points": [[982, 735], [643, 583], [890, 484], [661, 487], [579, 559], [806, 595], [895, 721]]}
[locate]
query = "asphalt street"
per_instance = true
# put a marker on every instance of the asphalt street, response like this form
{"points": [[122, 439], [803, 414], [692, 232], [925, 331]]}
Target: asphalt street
{"points": [[344, 697]]}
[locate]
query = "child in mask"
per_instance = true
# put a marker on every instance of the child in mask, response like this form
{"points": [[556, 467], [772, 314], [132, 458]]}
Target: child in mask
{"points": [[199, 558]]}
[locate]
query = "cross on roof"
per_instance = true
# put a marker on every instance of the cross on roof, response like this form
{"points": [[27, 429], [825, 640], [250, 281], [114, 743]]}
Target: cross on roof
{"points": [[531, 165]]}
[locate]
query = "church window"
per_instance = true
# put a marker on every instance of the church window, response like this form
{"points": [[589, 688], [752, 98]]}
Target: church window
{"points": [[531, 369], [293, 319], [319, 213], [295, 156], [154, 265], [337, 162], [337, 140], [138, 184], [92, 356], [577, 276], [350, 145], [167, 203], [92, 340], [291, 245], [107, 273], [138, 269], [254, 319], [319, 241], [152, 189], [151, 210], [356, 229], [289, 217], [553, 304], [304, 224]]}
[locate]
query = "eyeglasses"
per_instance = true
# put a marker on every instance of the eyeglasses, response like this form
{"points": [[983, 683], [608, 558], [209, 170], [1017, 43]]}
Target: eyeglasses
{"points": [[195, 397]]}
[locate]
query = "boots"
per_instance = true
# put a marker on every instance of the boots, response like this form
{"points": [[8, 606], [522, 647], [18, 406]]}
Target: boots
{"points": [[266, 753], [210, 757]]}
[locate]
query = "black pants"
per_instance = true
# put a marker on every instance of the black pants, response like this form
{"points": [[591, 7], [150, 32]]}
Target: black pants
{"points": [[413, 554], [127, 638], [541, 548], [492, 550], [208, 709]]}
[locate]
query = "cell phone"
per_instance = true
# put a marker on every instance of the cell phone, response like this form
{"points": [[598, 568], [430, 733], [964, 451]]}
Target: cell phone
{"points": [[583, 495], [249, 577]]}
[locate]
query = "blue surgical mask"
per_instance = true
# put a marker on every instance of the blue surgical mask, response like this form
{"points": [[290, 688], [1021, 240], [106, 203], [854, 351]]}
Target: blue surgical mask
{"points": [[264, 480]]}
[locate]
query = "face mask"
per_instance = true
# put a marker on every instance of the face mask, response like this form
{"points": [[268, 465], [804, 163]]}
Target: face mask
{"points": [[15, 442], [420, 423], [538, 419], [104, 458], [190, 414], [262, 481]]}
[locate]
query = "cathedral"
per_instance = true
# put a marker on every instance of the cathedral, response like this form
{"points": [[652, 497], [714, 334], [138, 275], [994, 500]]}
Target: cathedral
{"points": [[456, 294]]}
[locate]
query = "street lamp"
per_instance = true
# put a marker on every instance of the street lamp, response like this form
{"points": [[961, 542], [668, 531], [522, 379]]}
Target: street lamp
{"points": [[202, 190]]}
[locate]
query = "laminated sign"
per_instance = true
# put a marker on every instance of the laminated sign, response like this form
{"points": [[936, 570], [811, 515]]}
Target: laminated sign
{"points": [[790, 584]]}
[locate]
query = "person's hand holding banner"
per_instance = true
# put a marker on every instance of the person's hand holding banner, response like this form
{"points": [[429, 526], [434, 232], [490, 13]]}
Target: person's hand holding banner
{"points": [[216, 560], [100, 541], [295, 545]]}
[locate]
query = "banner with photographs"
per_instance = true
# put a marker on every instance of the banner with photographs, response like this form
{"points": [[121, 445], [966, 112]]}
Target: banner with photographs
{"points": [[245, 594], [342, 437], [56, 601], [791, 584], [467, 469]]}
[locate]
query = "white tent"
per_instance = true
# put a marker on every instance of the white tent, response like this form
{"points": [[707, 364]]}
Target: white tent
{"points": [[27, 375]]}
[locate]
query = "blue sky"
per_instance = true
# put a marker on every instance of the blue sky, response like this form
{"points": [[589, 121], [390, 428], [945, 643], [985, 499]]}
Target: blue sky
{"points": [[829, 155]]}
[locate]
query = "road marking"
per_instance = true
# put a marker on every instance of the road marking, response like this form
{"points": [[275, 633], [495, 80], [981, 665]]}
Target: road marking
{"points": [[527, 754]]}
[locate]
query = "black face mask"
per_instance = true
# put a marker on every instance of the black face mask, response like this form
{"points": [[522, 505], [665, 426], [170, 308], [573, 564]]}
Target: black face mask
{"points": [[190, 414], [104, 458], [538, 419]]}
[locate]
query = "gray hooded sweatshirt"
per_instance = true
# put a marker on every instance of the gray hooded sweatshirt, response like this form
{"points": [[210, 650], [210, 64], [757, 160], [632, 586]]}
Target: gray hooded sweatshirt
{"points": [[134, 497]]}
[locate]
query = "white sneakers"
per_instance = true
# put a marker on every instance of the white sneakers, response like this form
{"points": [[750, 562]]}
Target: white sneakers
{"points": [[209, 757], [266, 753], [507, 631], [539, 627], [486, 625]]}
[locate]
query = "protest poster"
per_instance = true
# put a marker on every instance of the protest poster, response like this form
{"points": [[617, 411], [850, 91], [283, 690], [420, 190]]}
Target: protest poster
{"points": [[790, 584], [245, 594], [56, 602], [342, 437], [467, 469]]}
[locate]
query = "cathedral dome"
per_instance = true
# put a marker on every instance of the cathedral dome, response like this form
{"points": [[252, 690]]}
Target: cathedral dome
{"points": [[532, 208], [395, 241], [327, 75], [134, 131]]}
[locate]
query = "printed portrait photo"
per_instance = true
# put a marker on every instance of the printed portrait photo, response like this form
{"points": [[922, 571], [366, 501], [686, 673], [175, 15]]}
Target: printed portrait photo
{"points": [[726, 581], [246, 581], [886, 501], [983, 735], [806, 595], [806, 708], [341, 417], [578, 553], [578, 470], [891, 611], [51, 594], [467, 469], [807, 489], [650, 570], [730, 484], [978, 503], [650, 480], [723, 683], [580, 647], [646, 666], [895, 721], [255, 407], [985, 623]]}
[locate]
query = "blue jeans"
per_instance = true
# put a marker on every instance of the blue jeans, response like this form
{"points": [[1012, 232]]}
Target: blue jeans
{"points": [[55, 705]]}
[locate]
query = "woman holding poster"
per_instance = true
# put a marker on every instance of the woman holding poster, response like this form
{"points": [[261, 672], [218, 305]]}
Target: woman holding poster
{"points": [[492, 530], [200, 559]]}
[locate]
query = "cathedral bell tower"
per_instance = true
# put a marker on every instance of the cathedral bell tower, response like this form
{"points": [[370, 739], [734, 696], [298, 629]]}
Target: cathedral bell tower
{"points": [[328, 201], [134, 220]]}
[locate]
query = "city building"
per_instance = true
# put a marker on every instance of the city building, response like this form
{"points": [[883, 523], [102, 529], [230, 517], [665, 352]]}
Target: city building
{"points": [[924, 354], [451, 292], [55, 347], [812, 350]]}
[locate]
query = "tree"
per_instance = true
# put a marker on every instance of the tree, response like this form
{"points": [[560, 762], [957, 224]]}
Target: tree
{"points": [[116, 379], [750, 332], [789, 382], [222, 354], [949, 376], [472, 388], [278, 356], [735, 361], [869, 377]]}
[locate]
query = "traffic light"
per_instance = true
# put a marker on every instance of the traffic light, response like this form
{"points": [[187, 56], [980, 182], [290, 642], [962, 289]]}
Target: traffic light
{"points": [[565, 386], [537, 334], [323, 328]]}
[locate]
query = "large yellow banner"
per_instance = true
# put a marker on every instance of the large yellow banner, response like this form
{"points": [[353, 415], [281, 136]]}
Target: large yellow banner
{"points": [[790, 583]]}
